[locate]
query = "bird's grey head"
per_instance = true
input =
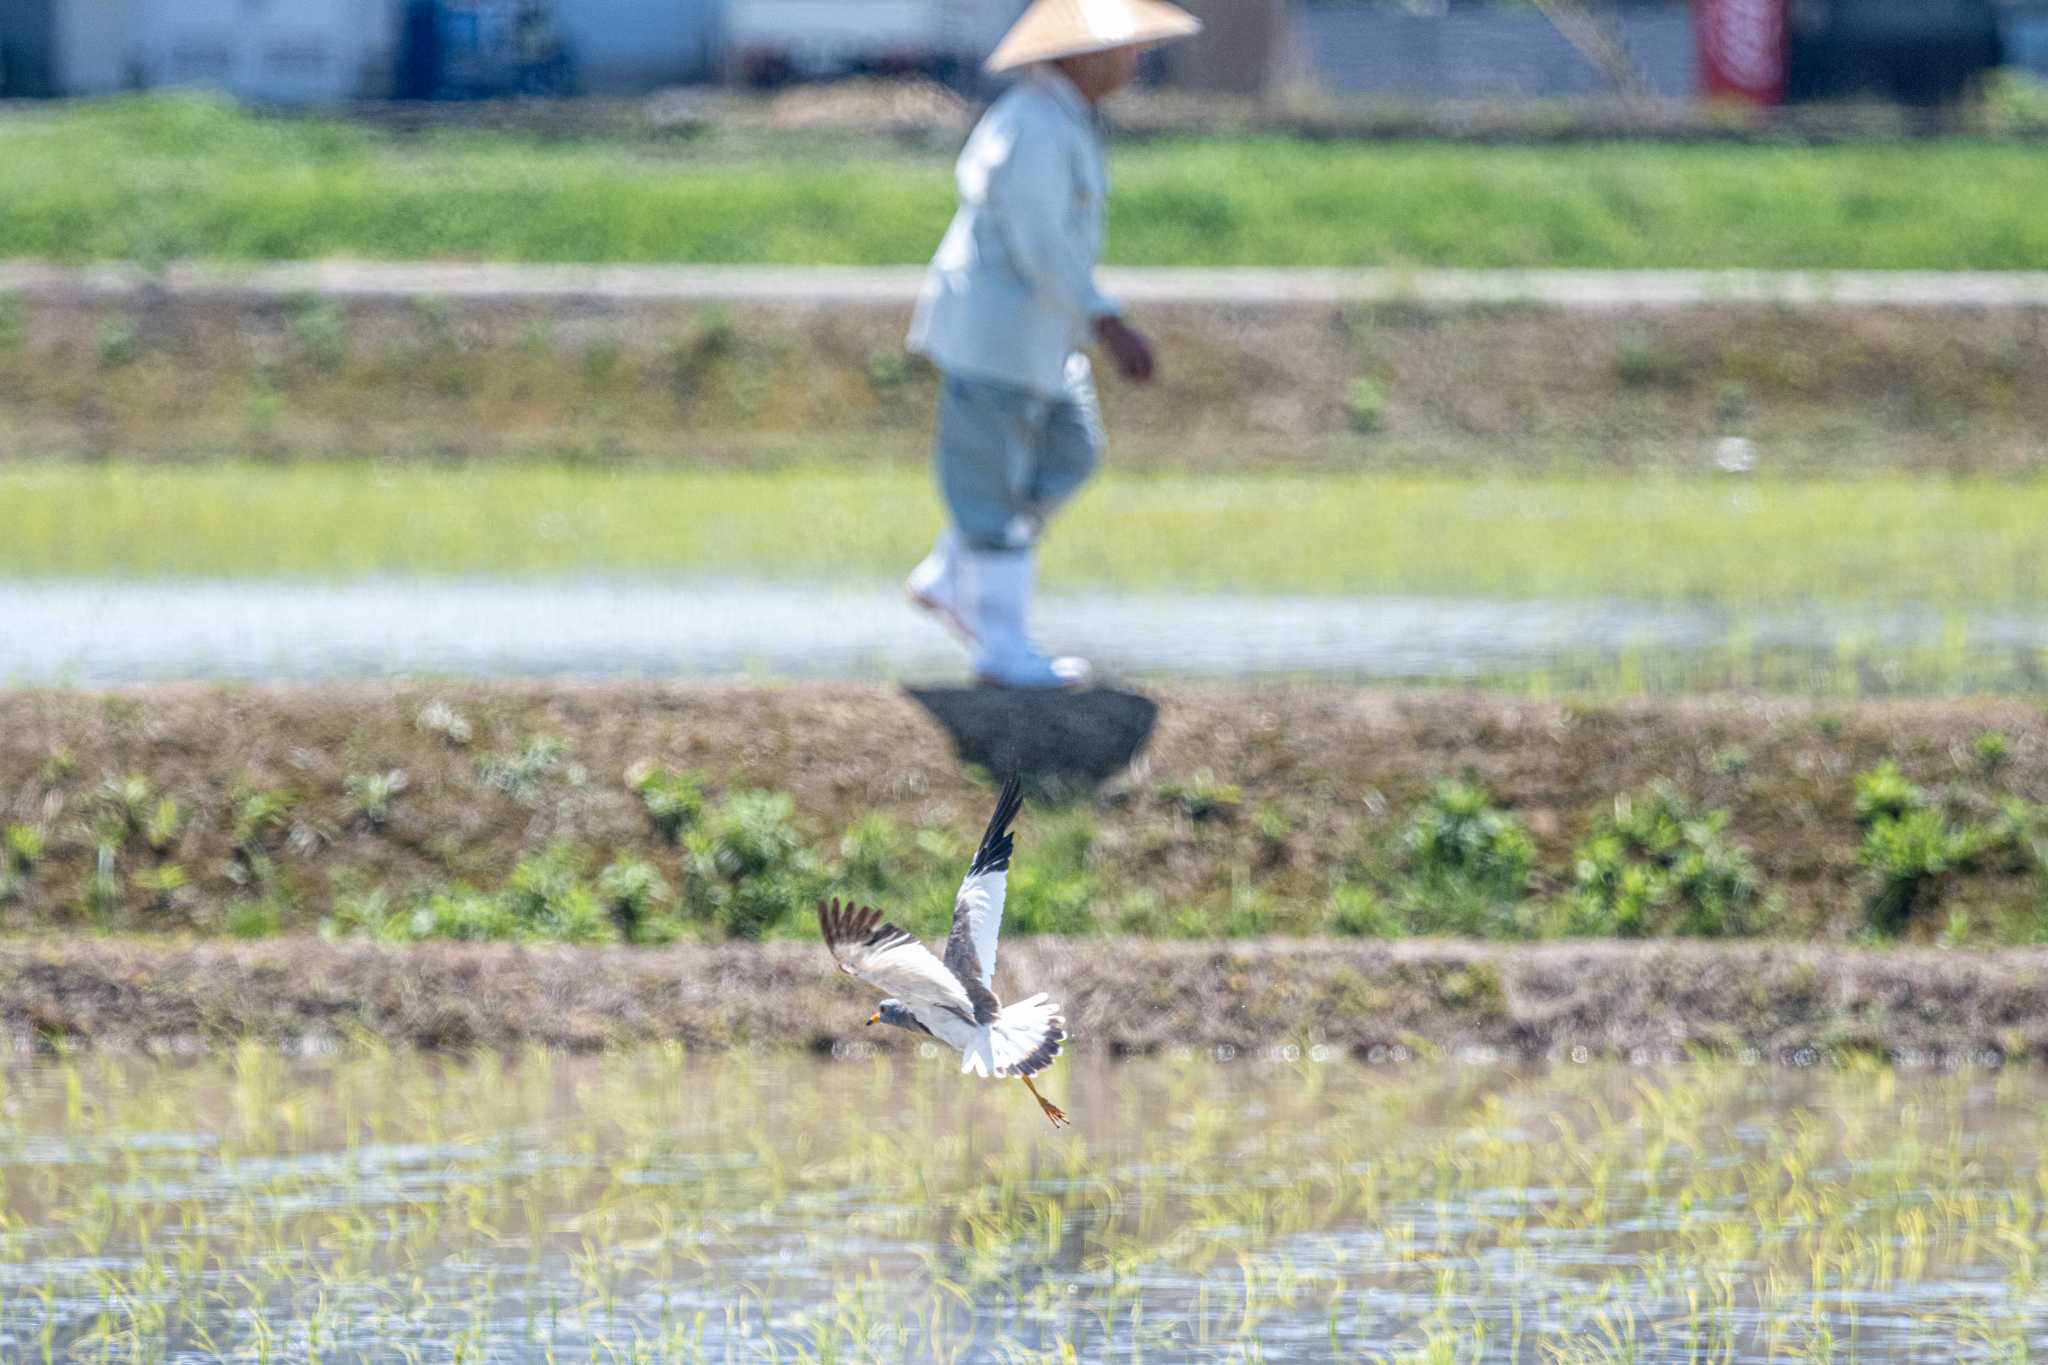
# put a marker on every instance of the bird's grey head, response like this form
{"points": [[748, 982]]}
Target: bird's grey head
{"points": [[893, 1012]]}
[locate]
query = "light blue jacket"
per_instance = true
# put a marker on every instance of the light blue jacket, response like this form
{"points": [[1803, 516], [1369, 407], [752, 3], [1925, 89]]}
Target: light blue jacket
{"points": [[1011, 292]]}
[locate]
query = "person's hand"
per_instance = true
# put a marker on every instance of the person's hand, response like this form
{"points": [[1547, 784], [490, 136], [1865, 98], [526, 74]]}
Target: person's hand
{"points": [[1131, 352]]}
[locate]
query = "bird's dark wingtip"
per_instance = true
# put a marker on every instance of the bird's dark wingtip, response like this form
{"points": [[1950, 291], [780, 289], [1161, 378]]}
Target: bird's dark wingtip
{"points": [[997, 843]]}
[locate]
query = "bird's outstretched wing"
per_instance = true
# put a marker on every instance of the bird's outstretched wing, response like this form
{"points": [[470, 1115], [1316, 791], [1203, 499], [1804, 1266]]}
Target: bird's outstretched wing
{"points": [[898, 965], [978, 909]]}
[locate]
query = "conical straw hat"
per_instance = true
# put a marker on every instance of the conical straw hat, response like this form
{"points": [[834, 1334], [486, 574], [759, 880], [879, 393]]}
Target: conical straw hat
{"points": [[1067, 28]]}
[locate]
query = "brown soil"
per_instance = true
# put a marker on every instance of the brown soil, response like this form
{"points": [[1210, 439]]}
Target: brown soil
{"points": [[1389, 386], [1328, 780], [1791, 1004]]}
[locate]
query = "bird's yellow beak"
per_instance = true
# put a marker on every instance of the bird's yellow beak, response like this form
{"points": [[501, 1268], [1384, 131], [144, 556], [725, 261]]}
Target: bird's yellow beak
{"points": [[874, 1019]]}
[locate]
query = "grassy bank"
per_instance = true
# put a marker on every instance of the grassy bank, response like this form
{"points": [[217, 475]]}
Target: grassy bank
{"points": [[155, 179], [1387, 387], [649, 814], [1956, 544]]}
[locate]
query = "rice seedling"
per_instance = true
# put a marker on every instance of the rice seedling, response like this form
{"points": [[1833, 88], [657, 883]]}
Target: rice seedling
{"points": [[652, 1206], [1886, 543]]}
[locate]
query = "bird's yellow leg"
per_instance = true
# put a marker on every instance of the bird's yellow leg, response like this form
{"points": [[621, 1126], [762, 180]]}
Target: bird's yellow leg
{"points": [[1052, 1111]]}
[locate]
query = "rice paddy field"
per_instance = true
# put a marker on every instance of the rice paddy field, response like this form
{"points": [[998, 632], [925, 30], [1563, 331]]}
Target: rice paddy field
{"points": [[1955, 544], [1284, 1205], [157, 179], [1655, 584], [1348, 1148]]}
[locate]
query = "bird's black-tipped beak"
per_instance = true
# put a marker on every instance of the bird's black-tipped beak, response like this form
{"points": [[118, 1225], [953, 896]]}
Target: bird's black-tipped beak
{"points": [[874, 1019]]}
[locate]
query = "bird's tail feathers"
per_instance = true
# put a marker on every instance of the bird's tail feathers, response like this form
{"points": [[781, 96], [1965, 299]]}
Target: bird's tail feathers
{"points": [[1022, 1040]]}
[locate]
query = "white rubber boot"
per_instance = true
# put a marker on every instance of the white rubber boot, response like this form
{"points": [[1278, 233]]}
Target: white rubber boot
{"points": [[934, 586], [999, 595]]}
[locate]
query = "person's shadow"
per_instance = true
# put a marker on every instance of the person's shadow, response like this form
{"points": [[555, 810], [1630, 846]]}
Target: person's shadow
{"points": [[1058, 742]]}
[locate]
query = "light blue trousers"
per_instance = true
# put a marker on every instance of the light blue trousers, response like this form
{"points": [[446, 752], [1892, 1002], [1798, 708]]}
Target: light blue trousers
{"points": [[1005, 458]]}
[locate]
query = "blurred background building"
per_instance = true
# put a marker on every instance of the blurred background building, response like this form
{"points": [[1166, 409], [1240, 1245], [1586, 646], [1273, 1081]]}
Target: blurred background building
{"points": [[325, 51]]}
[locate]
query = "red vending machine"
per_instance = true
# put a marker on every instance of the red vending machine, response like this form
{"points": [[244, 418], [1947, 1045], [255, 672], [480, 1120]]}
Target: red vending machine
{"points": [[1742, 49]]}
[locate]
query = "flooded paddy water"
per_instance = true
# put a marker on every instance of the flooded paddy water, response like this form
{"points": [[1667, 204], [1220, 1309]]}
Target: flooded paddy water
{"points": [[650, 1206], [102, 632]]}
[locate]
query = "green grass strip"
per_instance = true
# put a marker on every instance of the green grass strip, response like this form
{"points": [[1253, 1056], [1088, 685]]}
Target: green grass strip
{"points": [[1954, 543], [154, 179]]}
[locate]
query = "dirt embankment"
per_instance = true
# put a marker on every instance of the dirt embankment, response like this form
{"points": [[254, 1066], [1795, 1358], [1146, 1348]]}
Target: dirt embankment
{"points": [[1794, 1005], [1252, 809], [1300, 385]]}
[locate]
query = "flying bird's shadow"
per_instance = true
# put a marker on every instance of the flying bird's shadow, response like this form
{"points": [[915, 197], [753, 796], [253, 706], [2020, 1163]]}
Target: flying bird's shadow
{"points": [[1056, 741]]}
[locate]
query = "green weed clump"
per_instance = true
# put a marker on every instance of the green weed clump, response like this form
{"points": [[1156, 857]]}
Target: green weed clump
{"points": [[871, 856], [439, 718], [673, 800], [1655, 865], [1365, 405], [371, 796], [320, 332], [1203, 797], [120, 807], [1912, 848], [24, 847], [1471, 862], [1885, 793], [639, 900], [549, 898], [1053, 891], [1359, 912], [747, 868], [1991, 750], [524, 775], [1909, 855]]}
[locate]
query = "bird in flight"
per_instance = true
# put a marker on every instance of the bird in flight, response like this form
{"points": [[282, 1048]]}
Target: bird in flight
{"points": [[954, 1000]]}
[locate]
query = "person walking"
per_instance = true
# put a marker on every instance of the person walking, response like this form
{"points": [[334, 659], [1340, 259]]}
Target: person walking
{"points": [[1007, 308]]}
